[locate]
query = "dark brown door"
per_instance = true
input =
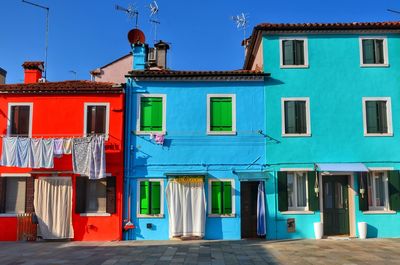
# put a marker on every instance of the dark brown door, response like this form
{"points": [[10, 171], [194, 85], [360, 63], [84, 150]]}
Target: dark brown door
{"points": [[336, 205], [248, 206]]}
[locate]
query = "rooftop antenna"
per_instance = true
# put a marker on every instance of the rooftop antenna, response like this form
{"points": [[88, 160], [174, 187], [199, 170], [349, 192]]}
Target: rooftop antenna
{"points": [[393, 11], [74, 73], [242, 21], [130, 11], [47, 33], [153, 13]]}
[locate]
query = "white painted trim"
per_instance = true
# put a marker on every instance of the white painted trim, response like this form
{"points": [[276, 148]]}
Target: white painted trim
{"points": [[164, 117], [305, 39], [161, 214], [97, 214], [296, 169], [380, 168], [210, 214], [297, 212], [30, 104], [388, 114], [386, 184], [308, 117], [385, 51], [233, 96], [379, 212], [107, 105], [297, 208], [15, 175]]}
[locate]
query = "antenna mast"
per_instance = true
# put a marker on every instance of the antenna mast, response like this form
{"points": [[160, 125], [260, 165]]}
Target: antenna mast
{"points": [[153, 13], [130, 11], [47, 33], [242, 22]]}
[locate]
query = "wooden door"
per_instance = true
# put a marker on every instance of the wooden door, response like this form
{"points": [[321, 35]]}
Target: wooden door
{"points": [[248, 206]]}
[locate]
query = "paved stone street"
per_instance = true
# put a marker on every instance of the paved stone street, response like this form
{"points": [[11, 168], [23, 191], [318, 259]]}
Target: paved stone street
{"points": [[371, 251]]}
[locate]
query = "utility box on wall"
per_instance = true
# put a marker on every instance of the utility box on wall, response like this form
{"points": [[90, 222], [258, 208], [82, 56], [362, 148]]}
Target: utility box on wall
{"points": [[291, 225]]}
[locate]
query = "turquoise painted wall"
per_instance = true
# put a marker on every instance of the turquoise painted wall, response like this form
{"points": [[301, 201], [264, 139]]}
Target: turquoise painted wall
{"points": [[335, 84]]}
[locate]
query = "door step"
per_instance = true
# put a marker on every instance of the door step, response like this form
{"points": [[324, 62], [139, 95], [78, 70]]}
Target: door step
{"points": [[338, 237]]}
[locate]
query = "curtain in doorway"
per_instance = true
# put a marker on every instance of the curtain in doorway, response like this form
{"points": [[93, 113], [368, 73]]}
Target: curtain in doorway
{"points": [[186, 206], [53, 207], [261, 225]]}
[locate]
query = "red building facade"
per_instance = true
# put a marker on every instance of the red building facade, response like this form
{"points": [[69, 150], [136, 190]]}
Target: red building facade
{"points": [[64, 110]]}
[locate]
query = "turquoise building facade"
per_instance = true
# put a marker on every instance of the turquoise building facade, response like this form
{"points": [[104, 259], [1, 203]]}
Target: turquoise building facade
{"points": [[332, 120]]}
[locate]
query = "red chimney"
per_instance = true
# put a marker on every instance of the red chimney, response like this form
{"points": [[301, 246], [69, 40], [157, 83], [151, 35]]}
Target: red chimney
{"points": [[33, 71]]}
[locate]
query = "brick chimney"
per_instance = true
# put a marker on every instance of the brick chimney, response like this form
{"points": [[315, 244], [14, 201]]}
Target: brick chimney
{"points": [[33, 72]]}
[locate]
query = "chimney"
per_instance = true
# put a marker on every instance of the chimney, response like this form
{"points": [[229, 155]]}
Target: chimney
{"points": [[139, 51], [161, 48], [33, 72], [3, 74]]}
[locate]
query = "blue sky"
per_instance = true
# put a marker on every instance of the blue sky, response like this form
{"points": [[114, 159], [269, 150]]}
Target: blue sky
{"points": [[87, 34]]}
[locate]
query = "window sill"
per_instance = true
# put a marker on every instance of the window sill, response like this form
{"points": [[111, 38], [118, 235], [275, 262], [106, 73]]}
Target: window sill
{"points": [[8, 214], [297, 212], [379, 212], [150, 216], [297, 135], [149, 132], [95, 214], [373, 65], [378, 134], [221, 133], [294, 66], [222, 215]]}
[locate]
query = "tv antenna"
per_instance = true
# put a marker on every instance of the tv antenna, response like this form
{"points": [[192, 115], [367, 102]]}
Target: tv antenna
{"points": [[242, 21], [393, 11], [154, 9], [47, 33], [74, 73], [130, 11]]}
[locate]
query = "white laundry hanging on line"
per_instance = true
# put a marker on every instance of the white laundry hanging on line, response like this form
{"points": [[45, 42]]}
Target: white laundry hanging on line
{"points": [[89, 157]]}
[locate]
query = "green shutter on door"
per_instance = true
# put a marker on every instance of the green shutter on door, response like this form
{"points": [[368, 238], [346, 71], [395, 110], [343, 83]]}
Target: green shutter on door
{"points": [[282, 191], [221, 114], [394, 190], [363, 200], [227, 201], [155, 197], [313, 201], [151, 113], [144, 197], [216, 197]]}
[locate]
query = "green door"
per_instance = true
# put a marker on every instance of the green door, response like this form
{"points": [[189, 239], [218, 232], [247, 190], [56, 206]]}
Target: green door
{"points": [[336, 205]]}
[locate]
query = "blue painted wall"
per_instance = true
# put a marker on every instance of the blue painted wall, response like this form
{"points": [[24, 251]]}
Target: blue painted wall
{"points": [[188, 148], [335, 84]]}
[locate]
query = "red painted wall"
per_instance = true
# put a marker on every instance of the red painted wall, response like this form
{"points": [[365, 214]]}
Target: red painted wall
{"points": [[63, 115]]}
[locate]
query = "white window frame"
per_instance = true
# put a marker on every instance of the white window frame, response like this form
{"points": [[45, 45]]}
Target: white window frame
{"points": [[161, 214], [385, 51], [13, 175], [388, 113], [107, 105], [305, 39], [371, 178], [308, 121], [164, 114], [233, 97], [295, 175], [209, 204], [11, 104]]}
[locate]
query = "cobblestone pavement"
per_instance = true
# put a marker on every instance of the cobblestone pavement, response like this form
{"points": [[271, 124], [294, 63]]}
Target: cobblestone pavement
{"points": [[371, 251]]}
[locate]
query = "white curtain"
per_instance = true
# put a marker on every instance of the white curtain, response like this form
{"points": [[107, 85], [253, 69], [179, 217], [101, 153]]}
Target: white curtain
{"points": [[187, 208], [53, 207]]}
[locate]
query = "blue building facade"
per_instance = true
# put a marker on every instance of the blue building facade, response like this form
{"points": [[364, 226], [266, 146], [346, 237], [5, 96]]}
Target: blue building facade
{"points": [[192, 138], [332, 118]]}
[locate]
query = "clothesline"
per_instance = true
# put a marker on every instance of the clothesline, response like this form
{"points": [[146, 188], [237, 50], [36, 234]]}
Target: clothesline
{"points": [[54, 135]]}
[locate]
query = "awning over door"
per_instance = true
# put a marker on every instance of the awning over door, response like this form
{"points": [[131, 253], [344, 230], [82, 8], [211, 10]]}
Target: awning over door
{"points": [[251, 175], [342, 167]]}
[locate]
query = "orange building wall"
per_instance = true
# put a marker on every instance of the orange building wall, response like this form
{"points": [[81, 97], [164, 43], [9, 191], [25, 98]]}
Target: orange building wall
{"points": [[63, 116]]}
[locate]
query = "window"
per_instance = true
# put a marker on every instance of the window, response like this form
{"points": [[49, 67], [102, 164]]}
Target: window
{"points": [[294, 52], [12, 195], [151, 113], [95, 196], [296, 117], [20, 119], [373, 51], [96, 118], [378, 191], [221, 197], [221, 112], [150, 198], [297, 190], [377, 117]]}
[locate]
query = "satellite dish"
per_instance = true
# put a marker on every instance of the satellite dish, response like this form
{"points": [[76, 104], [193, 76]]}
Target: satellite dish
{"points": [[136, 36]]}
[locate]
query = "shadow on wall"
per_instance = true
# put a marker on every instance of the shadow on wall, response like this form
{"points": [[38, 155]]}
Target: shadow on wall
{"points": [[372, 231]]}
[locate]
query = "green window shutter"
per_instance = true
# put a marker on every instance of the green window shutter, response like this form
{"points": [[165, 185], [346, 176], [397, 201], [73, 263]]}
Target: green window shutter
{"points": [[144, 197], [313, 200], [215, 115], [288, 52], [372, 116], [290, 116], [221, 114], [299, 52], [301, 119], [227, 200], [394, 190], [282, 191], [382, 117], [151, 113], [226, 114], [216, 197], [368, 51], [379, 57], [3, 185], [363, 200], [80, 194], [111, 194], [155, 197]]}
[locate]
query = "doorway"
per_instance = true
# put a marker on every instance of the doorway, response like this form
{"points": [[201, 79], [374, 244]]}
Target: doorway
{"points": [[248, 206], [336, 205]]}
